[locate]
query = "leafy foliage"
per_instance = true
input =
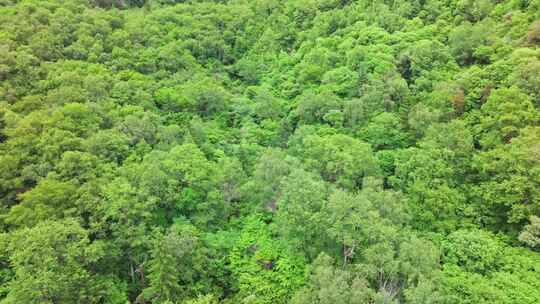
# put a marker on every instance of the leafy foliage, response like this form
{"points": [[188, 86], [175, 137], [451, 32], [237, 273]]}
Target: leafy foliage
{"points": [[315, 151]]}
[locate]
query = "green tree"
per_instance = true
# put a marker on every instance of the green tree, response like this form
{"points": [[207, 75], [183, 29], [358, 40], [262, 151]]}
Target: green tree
{"points": [[175, 266], [266, 270], [330, 284], [299, 211], [508, 188], [339, 159], [474, 250], [55, 262], [50, 199], [531, 233], [384, 132], [506, 111]]}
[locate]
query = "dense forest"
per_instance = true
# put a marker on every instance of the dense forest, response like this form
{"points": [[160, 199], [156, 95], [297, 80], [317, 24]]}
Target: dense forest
{"points": [[270, 152]]}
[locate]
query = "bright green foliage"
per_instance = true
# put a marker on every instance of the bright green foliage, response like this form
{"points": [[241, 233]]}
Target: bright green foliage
{"points": [[207, 299], [49, 200], [504, 114], [339, 159], [265, 184], [385, 132], [382, 276], [329, 284], [299, 211], [430, 181], [316, 108], [531, 233], [469, 42], [351, 222], [265, 270], [510, 179], [491, 271], [475, 251], [234, 151], [175, 266], [55, 262]]}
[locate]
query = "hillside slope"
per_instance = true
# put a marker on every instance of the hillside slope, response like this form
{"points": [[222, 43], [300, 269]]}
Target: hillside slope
{"points": [[299, 151]]}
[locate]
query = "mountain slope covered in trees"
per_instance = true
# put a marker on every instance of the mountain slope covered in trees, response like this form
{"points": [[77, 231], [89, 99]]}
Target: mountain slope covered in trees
{"points": [[260, 151]]}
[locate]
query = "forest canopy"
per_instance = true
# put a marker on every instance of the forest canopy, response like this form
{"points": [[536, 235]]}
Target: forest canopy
{"points": [[270, 152]]}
